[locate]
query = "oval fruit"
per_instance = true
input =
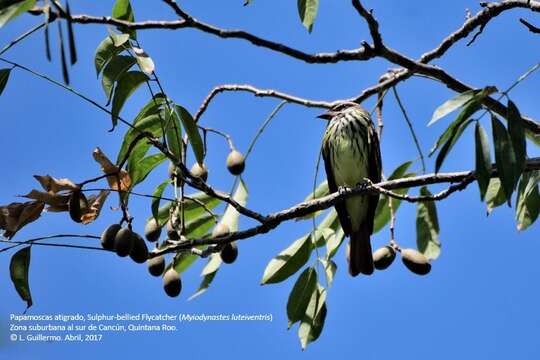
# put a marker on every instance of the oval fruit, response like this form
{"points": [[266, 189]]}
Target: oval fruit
{"points": [[199, 171], [172, 284], [236, 162], [123, 242], [77, 205], [152, 230], [229, 253], [171, 232], [108, 236], [156, 265], [139, 251], [384, 257], [221, 230], [415, 261]]}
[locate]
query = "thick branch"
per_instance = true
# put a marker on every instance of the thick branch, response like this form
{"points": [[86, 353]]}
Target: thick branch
{"points": [[459, 179]]}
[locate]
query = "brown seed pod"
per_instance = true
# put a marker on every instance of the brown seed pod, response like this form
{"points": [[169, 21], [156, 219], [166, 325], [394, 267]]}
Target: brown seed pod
{"points": [[152, 230], [77, 205], [172, 284], [415, 261], [384, 257], [156, 265], [221, 230], [236, 162], [139, 251], [199, 171], [229, 253], [123, 242], [108, 236]]}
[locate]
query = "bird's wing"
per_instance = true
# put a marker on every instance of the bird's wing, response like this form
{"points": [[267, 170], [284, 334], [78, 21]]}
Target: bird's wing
{"points": [[340, 207], [374, 173]]}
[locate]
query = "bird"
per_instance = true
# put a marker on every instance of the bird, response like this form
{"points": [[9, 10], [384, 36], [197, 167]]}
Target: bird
{"points": [[351, 153]]}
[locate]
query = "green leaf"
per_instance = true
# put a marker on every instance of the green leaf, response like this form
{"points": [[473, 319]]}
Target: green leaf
{"points": [[119, 39], [145, 62], [313, 321], [320, 191], [330, 269], [382, 212], [127, 84], [208, 273], [140, 171], [10, 9], [4, 76], [334, 243], [158, 193], [427, 227], [18, 269], [147, 120], [300, 295], [528, 201], [182, 261], [192, 209], [451, 105], [192, 132], [231, 216], [116, 67], [122, 11], [494, 195], [174, 133], [205, 284], [465, 114], [326, 229], [199, 227], [104, 52], [288, 262], [464, 99], [307, 10], [517, 136], [504, 158], [445, 150], [483, 159]]}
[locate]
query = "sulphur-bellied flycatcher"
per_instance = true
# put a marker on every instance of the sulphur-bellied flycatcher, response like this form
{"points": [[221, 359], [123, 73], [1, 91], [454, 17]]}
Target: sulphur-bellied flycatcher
{"points": [[351, 153]]}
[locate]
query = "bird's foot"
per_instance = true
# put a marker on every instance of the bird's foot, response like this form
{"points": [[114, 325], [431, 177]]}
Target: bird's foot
{"points": [[364, 184]]}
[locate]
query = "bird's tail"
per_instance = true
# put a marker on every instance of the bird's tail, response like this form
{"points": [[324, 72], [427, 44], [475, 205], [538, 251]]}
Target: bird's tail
{"points": [[360, 257]]}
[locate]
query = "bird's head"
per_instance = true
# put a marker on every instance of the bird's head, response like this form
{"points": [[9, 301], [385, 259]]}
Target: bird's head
{"points": [[337, 109]]}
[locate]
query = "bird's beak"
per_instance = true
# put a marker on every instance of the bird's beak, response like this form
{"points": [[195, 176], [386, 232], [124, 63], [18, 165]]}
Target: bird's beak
{"points": [[327, 115]]}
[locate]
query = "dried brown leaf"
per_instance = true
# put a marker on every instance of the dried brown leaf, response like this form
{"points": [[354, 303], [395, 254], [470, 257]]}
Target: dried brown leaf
{"points": [[53, 185], [118, 180], [16, 215], [96, 204], [51, 199]]}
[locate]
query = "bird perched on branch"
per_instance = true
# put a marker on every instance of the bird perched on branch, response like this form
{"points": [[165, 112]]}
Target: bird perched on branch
{"points": [[351, 154]]}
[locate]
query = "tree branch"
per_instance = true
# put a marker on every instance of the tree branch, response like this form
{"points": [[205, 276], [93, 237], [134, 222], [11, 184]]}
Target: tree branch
{"points": [[259, 93], [273, 220]]}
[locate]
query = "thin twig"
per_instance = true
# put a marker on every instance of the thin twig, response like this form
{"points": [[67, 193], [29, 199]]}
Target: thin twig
{"points": [[263, 126], [411, 128], [33, 241]]}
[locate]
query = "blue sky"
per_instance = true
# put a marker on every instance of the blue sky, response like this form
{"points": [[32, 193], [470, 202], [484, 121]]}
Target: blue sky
{"points": [[480, 300]]}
